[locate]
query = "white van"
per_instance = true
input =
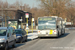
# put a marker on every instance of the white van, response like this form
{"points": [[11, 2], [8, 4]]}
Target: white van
{"points": [[7, 37]]}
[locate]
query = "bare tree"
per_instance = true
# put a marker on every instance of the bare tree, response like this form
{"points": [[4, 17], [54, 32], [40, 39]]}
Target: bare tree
{"points": [[54, 7], [71, 12]]}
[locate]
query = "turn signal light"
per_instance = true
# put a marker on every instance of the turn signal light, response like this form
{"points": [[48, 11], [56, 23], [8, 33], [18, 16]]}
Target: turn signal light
{"points": [[38, 31], [54, 31]]}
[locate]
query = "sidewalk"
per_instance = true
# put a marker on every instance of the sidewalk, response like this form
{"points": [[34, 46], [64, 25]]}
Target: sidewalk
{"points": [[32, 35], [29, 31]]}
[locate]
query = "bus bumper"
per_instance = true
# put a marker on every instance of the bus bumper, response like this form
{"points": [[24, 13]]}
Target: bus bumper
{"points": [[47, 35]]}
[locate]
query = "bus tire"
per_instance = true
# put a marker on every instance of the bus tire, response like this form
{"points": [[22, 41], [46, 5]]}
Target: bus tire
{"points": [[58, 34], [61, 32], [64, 32]]}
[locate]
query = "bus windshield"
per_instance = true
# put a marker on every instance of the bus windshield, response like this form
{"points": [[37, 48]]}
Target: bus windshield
{"points": [[46, 23]]}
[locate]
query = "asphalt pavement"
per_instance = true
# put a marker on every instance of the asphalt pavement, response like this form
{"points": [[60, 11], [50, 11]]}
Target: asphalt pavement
{"points": [[64, 42]]}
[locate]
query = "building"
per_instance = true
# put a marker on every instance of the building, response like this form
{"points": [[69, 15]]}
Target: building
{"points": [[20, 14], [16, 15]]}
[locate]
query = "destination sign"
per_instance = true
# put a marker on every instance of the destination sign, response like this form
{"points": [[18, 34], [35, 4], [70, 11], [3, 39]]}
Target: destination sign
{"points": [[45, 19]]}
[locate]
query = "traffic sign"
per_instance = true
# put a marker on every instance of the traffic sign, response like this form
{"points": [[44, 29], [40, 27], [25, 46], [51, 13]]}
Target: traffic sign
{"points": [[20, 19], [27, 24], [33, 24], [27, 15]]}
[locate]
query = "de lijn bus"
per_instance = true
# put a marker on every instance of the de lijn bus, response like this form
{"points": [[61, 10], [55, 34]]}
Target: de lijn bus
{"points": [[50, 26]]}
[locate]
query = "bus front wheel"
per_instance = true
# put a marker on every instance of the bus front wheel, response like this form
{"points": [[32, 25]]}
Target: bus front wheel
{"points": [[58, 34]]}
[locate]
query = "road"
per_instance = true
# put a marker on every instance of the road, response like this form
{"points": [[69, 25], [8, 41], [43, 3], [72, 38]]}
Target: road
{"points": [[64, 42]]}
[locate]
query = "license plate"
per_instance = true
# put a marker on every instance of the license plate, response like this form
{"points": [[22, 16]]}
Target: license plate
{"points": [[51, 32], [46, 35]]}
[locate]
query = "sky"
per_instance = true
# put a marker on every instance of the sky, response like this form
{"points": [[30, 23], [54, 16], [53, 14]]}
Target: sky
{"points": [[32, 3]]}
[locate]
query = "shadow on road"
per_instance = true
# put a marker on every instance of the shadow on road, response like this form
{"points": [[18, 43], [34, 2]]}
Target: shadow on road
{"points": [[31, 39], [17, 45], [64, 35]]}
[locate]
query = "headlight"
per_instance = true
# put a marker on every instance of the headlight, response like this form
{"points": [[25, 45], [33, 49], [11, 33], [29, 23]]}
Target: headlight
{"points": [[55, 31], [38, 32], [18, 36], [2, 39]]}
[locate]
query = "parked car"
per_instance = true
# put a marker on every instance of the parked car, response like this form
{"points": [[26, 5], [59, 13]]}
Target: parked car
{"points": [[21, 35], [7, 37]]}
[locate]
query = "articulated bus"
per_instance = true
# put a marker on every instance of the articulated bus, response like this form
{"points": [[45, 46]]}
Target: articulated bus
{"points": [[63, 26], [50, 27]]}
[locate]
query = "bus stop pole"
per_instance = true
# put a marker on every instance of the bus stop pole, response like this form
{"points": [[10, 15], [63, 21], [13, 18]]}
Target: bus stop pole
{"points": [[27, 16], [27, 26]]}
